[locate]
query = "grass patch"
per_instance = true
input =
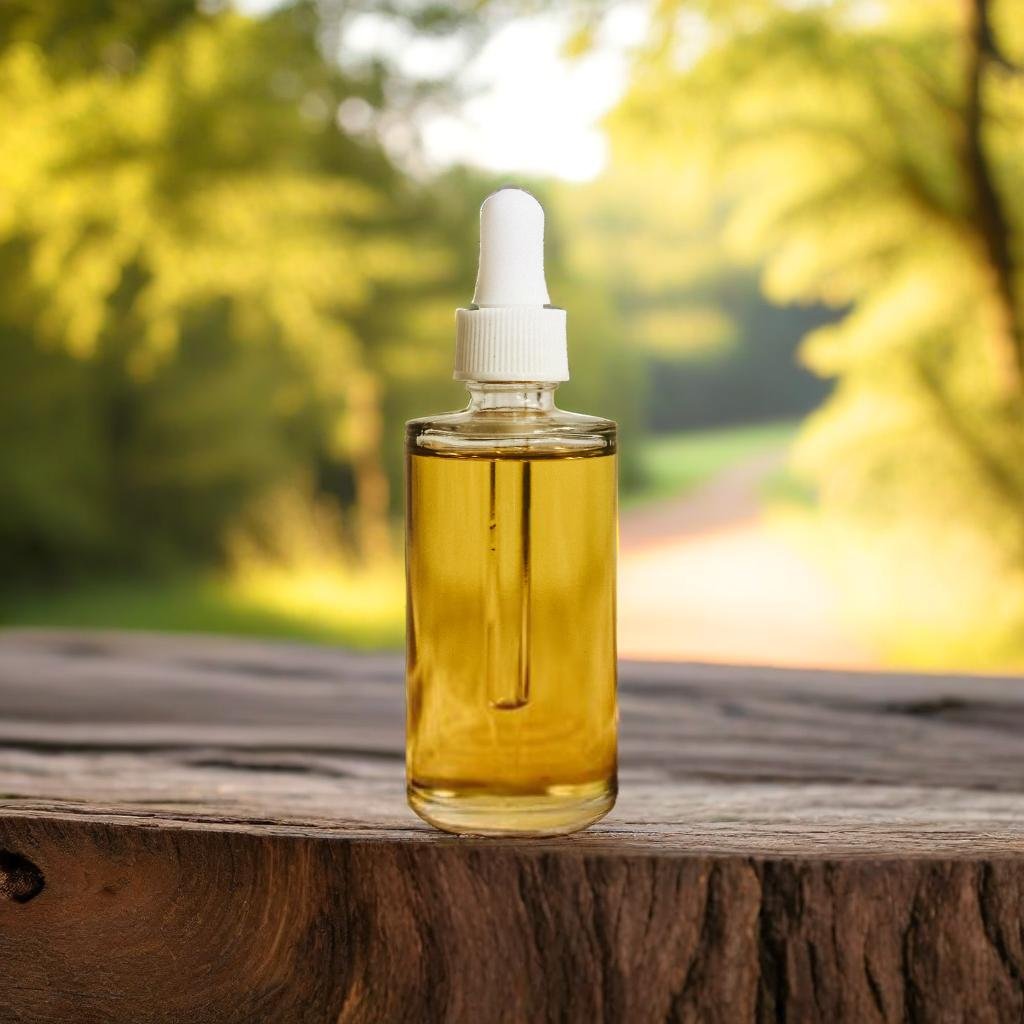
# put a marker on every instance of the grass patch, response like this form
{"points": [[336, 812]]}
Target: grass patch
{"points": [[363, 611], [673, 464]]}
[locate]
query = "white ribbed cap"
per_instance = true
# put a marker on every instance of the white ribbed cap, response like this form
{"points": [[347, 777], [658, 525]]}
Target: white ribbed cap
{"points": [[511, 333]]}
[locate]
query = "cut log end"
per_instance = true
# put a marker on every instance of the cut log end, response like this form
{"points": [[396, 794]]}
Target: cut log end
{"points": [[223, 835]]}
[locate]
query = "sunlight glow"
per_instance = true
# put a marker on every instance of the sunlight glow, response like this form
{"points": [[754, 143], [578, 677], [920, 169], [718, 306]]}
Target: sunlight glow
{"points": [[522, 106], [531, 109]]}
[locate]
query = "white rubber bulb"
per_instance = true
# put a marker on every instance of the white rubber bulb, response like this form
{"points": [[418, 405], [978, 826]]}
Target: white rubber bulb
{"points": [[511, 251]]}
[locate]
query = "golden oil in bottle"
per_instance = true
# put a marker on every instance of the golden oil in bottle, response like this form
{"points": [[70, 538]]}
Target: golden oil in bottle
{"points": [[511, 644], [510, 546]]}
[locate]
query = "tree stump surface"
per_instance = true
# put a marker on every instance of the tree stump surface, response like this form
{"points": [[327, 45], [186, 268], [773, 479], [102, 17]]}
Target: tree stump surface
{"points": [[207, 830]]}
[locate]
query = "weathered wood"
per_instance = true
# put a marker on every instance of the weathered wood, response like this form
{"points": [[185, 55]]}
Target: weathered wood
{"points": [[212, 830]]}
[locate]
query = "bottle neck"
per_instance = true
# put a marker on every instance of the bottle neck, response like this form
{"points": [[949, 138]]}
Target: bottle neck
{"points": [[518, 396]]}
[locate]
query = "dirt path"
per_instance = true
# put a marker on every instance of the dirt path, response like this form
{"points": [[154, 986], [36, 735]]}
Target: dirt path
{"points": [[705, 578]]}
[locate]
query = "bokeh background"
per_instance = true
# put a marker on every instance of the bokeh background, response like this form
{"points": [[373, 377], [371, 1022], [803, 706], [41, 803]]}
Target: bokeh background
{"points": [[790, 235]]}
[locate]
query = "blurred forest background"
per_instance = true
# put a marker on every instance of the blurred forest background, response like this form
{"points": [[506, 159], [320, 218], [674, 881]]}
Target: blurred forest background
{"points": [[228, 274]]}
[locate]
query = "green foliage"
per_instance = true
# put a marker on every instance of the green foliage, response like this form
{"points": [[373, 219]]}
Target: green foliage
{"points": [[189, 250], [211, 295], [871, 160], [704, 345]]}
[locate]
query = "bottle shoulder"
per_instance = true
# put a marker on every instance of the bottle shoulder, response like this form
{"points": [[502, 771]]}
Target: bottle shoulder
{"points": [[494, 433]]}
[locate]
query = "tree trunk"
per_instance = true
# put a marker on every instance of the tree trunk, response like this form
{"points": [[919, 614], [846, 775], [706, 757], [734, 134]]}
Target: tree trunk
{"points": [[989, 218]]}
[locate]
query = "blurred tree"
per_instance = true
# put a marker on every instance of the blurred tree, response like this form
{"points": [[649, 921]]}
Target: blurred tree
{"points": [[706, 345], [226, 275], [208, 264], [873, 156]]}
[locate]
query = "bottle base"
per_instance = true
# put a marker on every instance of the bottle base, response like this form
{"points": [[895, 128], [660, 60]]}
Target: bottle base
{"points": [[555, 811]]}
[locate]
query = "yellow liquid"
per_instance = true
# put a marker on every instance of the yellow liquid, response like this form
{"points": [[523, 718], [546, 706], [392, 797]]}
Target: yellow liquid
{"points": [[511, 641]]}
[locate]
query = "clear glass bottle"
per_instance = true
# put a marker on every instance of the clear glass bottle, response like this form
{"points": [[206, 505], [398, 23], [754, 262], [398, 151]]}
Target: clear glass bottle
{"points": [[511, 538], [511, 533]]}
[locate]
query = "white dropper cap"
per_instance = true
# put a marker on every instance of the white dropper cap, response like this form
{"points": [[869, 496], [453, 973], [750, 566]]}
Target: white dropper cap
{"points": [[511, 333]]}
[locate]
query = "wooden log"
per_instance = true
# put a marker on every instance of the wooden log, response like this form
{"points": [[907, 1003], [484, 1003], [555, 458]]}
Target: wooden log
{"points": [[214, 830]]}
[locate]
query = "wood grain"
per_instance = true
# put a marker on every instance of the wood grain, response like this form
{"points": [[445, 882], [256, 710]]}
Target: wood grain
{"points": [[215, 830]]}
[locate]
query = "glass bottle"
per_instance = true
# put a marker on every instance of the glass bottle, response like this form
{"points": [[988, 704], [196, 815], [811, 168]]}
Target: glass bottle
{"points": [[511, 544]]}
